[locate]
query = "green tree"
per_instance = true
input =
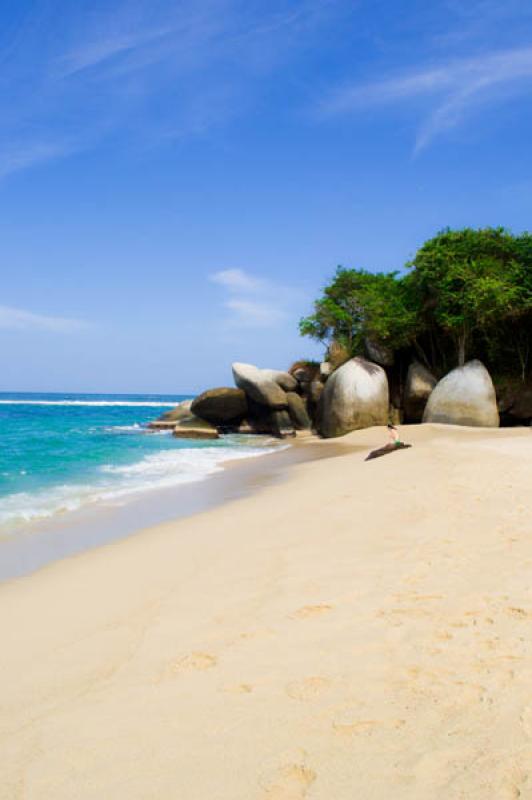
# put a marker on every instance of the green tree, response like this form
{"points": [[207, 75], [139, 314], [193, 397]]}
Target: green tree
{"points": [[469, 281], [359, 305]]}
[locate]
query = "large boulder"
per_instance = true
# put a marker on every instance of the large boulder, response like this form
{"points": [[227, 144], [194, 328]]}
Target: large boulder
{"points": [[465, 396], [297, 409], [355, 396], [284, 379], [419, 384], [281, 425], [221, 406], [262, 419], [259, 385], [192, 427]]}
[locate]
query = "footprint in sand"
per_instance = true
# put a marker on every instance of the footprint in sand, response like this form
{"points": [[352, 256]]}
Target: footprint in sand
{"points": [[239, 688], [515, 785], [518, 613], [308, 688], [312, 611], [348, 724], [196, 661], [292, 783]]}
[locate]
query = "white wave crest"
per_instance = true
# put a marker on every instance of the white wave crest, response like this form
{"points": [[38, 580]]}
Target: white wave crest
{"points": [[119, 482], [133, 403]]}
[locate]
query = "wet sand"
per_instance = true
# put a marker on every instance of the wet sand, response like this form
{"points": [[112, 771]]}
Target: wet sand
{"points": [[42, 542], [354, 630]]}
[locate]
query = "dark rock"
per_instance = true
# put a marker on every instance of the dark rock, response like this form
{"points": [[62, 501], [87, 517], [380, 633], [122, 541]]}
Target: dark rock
{"points": [[379, 353], [521, 408], [281, 424], [221, 406], [315, 391], [297, 409], [419, 384]]}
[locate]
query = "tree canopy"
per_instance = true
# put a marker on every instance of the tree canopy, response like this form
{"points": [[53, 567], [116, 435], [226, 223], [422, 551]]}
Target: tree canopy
{"points": [[466, 293]]}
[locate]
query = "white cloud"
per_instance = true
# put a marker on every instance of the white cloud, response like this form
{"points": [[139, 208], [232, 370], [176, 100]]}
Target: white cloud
{"points": [[237, 280], [459, 87], [18, 319], [253, 302]]}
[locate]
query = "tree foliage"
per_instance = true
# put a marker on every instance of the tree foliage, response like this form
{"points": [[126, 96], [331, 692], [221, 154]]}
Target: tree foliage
{"points": [[466, 293], [359, 305]]}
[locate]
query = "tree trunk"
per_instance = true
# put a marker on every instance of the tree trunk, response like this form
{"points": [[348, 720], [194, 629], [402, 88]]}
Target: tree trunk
{"points": [[461, 348]]}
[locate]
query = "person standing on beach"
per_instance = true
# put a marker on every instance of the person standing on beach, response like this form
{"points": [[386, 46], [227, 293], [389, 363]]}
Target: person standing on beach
{"points": [[393, 435]]}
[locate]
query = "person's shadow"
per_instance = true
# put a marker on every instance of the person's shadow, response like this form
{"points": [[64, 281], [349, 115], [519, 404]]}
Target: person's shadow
{"points": [[388, 448]]}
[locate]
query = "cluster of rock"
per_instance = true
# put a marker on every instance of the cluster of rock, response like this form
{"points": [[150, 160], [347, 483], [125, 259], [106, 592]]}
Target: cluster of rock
{"points": [[264, 401], [333, 401]]}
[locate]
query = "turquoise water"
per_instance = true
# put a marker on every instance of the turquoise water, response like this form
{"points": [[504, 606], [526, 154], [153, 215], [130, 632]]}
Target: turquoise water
{"points": [[61, 452]]}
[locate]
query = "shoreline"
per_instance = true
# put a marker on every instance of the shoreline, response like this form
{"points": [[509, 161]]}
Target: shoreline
{"points": [[61, 536], [352, 628]]}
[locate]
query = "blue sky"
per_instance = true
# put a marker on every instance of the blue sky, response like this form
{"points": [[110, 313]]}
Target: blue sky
{"points": [[179, 179]]}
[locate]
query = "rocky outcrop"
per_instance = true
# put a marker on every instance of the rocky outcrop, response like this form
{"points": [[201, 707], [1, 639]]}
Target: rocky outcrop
{"points": [[167, 420], [521, 407], [305, 371], [355, 396], [193, 427], [281, 425], [262, 419], [283, 379], [379, 353], [465, 396], [326, 369], [162, 425], [260, 386], [195, 433], [221, 406], [297, 410], [419, 384]]}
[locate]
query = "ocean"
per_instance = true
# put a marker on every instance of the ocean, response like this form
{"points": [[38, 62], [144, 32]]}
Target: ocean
{"points": [[64, 452]]}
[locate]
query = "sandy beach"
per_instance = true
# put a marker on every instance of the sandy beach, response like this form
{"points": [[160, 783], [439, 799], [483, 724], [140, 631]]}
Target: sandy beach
{"points": [[358, 630]]}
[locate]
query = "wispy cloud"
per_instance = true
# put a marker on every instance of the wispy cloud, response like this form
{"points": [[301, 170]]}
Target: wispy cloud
{"points": [[101, 50], [18, 319], [150, 72], [237, 280], [23, 156], [456, 89], [253, 302]]}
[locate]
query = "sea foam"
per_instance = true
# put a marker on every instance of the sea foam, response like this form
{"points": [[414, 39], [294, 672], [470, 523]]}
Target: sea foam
{"points": [[116, 483]]}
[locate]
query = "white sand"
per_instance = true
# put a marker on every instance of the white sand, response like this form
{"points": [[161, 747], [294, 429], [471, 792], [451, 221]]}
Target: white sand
{"points": [[362, 631]]}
